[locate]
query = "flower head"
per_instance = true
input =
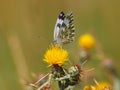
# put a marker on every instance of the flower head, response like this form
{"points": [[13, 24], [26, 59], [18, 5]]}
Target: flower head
{"points": [[89, 88], [56, 55], [99, 86], [86, 41], [103, 86]]}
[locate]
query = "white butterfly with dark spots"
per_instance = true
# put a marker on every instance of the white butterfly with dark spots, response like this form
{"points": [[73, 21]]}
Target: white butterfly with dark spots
{"points": [[64, 30]]}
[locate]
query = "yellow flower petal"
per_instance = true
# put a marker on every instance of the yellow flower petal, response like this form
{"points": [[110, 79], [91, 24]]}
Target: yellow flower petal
{"points": [[89, 88], [103, 86]]}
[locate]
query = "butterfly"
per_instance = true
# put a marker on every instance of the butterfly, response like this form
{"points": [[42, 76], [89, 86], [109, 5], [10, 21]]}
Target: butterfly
{"points": [[64, 30]]}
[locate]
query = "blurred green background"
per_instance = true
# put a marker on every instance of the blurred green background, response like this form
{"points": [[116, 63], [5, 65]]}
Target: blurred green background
{"points": [[26, 31]]}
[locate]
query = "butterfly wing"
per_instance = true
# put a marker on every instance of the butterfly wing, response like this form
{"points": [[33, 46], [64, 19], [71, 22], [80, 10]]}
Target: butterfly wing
{"points": [[68, 30], [64, 29], [57, 29]]}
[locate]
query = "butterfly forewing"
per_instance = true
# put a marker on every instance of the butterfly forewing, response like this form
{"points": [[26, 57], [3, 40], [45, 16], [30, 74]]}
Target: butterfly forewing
{"points": [[58, 25]]}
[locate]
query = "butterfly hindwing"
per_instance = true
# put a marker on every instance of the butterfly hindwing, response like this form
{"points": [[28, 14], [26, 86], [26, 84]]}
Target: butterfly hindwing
{"points": [[68, 30]]}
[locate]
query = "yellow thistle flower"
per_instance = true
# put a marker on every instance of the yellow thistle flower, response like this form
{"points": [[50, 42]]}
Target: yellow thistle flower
{"points": [[103, 86], [89, 88], [56, 55], [86, 41], [99, 86]]}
